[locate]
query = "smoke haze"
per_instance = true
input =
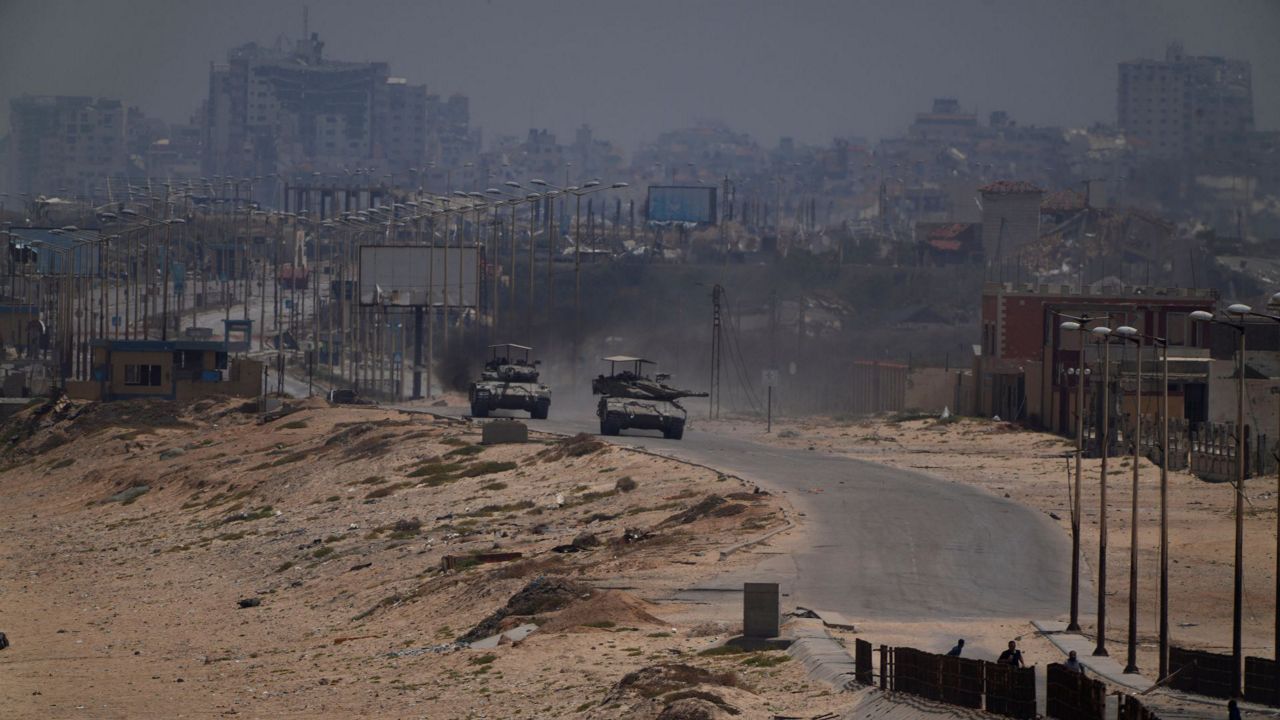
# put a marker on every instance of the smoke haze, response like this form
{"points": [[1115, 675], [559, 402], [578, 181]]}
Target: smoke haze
{"points": [[813, 70]]}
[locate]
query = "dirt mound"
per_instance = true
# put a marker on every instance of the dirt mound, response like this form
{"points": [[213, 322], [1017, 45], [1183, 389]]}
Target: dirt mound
{"points": [[710, 506], [48, 425], [675, 691], [667, 677], [579, 445], [610, 608], [543, 594]]}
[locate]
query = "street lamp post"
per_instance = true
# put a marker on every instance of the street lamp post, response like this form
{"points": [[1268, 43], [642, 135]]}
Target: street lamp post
{"points": [[1104, 335], [1163, 343], [514, 201], [1077, 325], [1131, 664], [1274, 303], [1237, 601], [168, 262], [586, 189]]}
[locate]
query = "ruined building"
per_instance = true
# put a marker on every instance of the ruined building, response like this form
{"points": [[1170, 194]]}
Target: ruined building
{"points": [[272, 110], [1185, 105], [65, 145]]}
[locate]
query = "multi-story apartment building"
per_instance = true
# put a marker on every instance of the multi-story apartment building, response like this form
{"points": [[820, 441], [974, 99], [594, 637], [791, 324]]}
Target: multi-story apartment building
{"points": [[1185, 105], [65, 145], [272, 110]]}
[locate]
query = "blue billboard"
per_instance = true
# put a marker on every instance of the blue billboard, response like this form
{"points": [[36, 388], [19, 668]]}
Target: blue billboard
{"points": [[682, 203]]}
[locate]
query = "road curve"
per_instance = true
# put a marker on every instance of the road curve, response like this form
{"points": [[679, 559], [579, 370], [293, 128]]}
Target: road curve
{"points": [[877, 541]]}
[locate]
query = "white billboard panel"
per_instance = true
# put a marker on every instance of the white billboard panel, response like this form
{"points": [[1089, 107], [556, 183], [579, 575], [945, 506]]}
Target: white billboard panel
{"points": [[682, 203], [417, 275]]}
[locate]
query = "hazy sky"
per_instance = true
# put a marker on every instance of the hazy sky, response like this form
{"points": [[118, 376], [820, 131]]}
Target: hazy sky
{"points": [[810, 69]]}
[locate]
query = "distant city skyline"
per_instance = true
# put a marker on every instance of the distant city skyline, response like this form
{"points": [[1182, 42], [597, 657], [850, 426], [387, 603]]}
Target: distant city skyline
{"points": [[812, 71]]}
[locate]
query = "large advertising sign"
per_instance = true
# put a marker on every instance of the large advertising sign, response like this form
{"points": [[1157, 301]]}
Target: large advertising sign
{"points": [[682, 203], [418, 276]]}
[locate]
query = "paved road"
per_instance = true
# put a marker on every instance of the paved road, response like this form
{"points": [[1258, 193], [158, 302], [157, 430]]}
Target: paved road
{"points": [[881, 542]]}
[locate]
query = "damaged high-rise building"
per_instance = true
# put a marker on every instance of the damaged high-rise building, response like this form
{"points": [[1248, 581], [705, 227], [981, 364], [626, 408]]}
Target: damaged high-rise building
{"points": [[291, 111], [1184, 104]]}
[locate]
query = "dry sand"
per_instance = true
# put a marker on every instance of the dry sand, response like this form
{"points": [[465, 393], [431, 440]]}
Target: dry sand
{"points": [[122, 603]]}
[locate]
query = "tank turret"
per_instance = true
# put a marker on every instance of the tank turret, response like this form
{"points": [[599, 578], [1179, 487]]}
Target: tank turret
{"points": [[509, 381], [632, 399]]}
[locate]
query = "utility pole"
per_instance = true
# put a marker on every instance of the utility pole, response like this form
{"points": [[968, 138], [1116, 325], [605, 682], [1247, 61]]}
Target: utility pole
{"points": [[1131, 664], [1276, 454], [1074, 624], [168, 260], [494, 314], [713, 403], [1079, 325], [1238, 579], [511, 293], [577, 283], [1164, 510], [528, 320], [1237, 602], [1104, 437], [551, 245]]}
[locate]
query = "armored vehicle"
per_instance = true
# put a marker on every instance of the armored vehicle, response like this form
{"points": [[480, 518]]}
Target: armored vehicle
{"points": [[631, 399], [509, 381]]}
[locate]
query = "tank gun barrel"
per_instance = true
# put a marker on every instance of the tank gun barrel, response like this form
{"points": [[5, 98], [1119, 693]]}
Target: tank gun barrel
{"points": [[639, 389]]}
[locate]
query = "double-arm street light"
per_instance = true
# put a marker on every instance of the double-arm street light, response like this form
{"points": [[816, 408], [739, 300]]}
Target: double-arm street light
{"points": [[79, 292], [1275, 303], [1080, 325], [168, 263], [586, 189], [1103, 334], [1243, 311], [1237, 603], [1131, 334], [63, 299], [551, 193], [1163, 344], [514, 200], [531, 198]]}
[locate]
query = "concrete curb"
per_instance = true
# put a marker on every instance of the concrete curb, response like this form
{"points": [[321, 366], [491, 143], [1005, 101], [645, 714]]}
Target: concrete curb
{"points": [[1107, 668], [823, 657], [790, 525]]}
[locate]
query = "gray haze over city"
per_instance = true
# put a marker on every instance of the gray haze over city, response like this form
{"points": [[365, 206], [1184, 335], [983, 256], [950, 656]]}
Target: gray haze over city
{"points": [[644, 359], [811, 70]]}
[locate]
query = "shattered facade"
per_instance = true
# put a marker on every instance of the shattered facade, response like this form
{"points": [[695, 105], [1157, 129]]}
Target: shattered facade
{"points": [[66, 145], [274, 111]]}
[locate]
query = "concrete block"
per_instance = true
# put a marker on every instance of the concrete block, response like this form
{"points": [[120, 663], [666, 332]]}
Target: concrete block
{"points": [[761, 614], [497, 432]]}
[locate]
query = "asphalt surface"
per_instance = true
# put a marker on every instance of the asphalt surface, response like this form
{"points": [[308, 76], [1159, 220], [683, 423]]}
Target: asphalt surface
{"points": [[874, 541]]}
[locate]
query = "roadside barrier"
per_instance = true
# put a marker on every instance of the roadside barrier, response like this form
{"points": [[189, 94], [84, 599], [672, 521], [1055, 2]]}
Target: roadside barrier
{"points": [[965, 682], [1199, 672], [994, 687], [1073, 696], [1262, 681]]}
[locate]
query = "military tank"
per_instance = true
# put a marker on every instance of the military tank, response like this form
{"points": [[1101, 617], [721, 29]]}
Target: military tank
{"points": [[632, 399], [509, 381]]}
